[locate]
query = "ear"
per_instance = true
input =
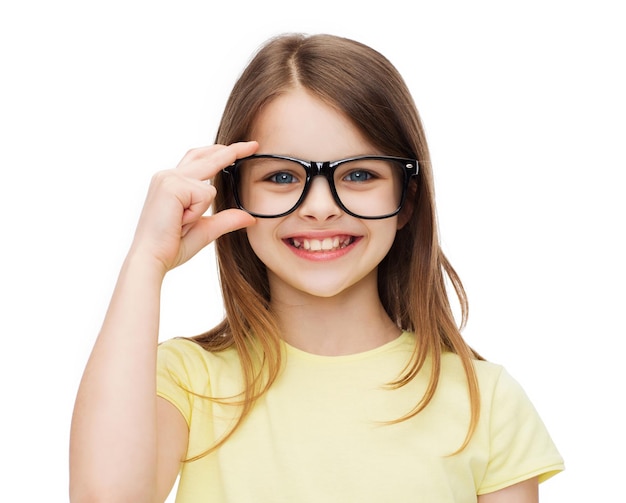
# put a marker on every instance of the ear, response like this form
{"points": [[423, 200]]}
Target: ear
{"points": [[409, 204]]}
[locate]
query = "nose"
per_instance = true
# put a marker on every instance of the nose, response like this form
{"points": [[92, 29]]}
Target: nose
{"points": [[319, 203]]}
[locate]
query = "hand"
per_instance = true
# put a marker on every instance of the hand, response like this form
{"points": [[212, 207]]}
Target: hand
{"points": [[172, 227]]}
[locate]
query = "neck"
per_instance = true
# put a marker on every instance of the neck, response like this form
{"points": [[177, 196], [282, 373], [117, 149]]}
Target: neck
{"points": [[348, 323]]}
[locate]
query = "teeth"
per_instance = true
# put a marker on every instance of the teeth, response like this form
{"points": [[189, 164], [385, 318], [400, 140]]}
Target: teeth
{"points": [[326, 244]]}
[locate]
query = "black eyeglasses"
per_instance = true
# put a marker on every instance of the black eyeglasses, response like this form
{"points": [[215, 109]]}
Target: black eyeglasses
{"points": [[369, 187]]}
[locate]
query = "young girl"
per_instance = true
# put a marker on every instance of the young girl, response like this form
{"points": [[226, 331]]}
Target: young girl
{"points": [[338, 373]]}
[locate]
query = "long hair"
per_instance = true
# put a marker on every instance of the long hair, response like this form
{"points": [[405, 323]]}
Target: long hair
{"points": [[364, 86]]}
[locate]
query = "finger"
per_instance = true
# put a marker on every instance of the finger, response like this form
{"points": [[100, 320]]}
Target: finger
{"points": [[205, 162], [208, 229], [196, 200]]}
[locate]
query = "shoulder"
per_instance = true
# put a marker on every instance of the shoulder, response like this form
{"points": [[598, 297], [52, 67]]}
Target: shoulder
{"points": [[498, 389], [190, 354], [188, 365], [488, 373], [187, 374]]}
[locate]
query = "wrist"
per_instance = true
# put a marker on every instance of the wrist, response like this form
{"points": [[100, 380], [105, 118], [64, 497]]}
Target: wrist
{"points": [[144, 265]]}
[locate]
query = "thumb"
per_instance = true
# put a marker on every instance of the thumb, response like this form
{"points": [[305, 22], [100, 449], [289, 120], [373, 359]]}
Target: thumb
{"points": [[209, 228], [227, 221]]}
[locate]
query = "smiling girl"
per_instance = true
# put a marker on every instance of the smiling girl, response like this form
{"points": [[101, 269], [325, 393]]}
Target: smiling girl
{"points": [[338, 373]]}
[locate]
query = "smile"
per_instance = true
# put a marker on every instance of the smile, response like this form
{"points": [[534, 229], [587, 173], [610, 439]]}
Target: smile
{"points": [[322, 245]]}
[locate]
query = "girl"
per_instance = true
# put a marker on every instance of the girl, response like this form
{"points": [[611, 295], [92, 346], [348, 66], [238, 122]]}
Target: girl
{"points": [[338, 373]]}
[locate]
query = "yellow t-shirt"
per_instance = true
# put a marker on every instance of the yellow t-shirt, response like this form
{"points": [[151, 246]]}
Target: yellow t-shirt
{"points": [[317, 435]]}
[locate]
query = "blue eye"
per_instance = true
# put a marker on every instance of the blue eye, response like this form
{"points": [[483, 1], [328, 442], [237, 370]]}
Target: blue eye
{"points": [[283, 178], [358, 176]]}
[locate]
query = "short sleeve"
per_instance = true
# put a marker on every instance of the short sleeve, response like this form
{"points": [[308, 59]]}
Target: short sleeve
{"points": [[520, 445], [174, 375]]}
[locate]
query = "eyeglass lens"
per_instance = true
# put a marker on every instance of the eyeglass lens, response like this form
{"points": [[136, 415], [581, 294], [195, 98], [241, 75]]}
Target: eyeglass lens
{"points": [[365, 187]]}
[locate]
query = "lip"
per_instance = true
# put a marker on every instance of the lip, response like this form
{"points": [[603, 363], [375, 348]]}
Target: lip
{"points": [[308, 245]]}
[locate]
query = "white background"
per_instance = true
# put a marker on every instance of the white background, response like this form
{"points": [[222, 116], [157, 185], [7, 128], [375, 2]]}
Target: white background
{"points": [[524, 108]]}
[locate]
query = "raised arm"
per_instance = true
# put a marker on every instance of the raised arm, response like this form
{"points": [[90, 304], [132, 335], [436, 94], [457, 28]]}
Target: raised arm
{"points": [[126, 444]]}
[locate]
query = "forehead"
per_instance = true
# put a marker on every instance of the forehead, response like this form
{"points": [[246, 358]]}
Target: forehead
{"points": [[301, 125]]}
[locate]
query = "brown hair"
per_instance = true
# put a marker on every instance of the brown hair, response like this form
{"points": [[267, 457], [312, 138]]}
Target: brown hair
{"points": [[362, 84]]}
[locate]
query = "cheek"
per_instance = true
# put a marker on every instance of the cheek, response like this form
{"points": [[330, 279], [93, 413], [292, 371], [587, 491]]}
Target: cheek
{"points": [[386, 235], [259, 239]]}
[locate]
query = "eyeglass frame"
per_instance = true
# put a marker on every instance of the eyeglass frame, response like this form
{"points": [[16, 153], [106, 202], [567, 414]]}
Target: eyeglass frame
{"points": [[326, 169]]}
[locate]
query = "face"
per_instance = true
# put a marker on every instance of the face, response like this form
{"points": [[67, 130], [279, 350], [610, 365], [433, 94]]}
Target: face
{"points": [[318, 250]]}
